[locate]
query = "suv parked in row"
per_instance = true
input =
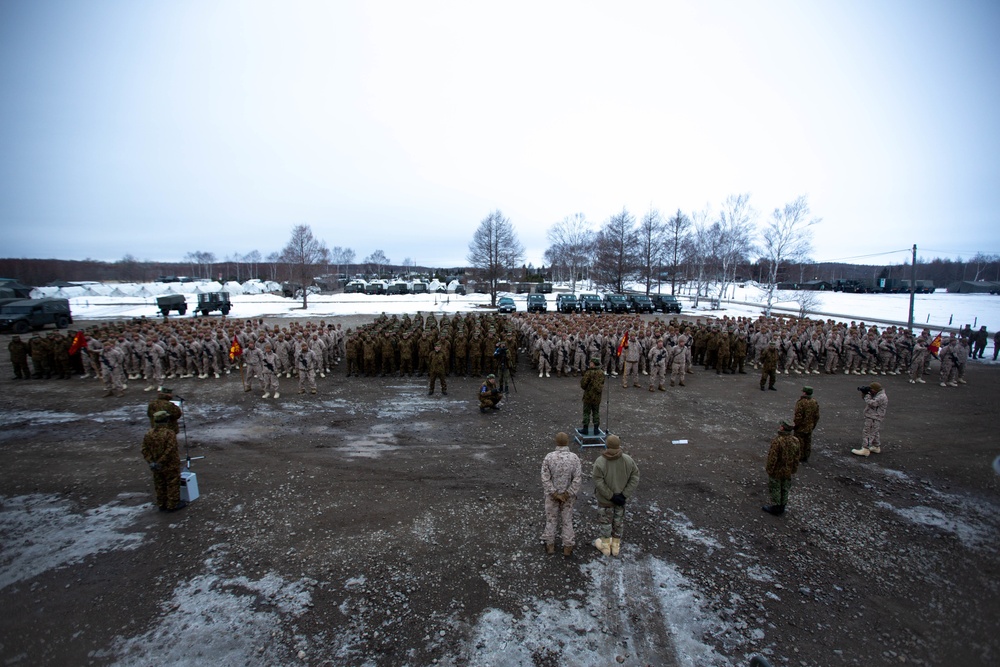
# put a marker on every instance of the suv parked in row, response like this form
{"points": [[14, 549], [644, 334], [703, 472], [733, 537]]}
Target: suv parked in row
{"points": [[567, 303], [666, 303], [537, 303], [640, 303], [505, 304], [591, 303], [616, 303]]}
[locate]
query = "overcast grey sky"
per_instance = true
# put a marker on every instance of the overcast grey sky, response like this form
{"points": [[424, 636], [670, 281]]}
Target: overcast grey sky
{"points": [[159, 128]]}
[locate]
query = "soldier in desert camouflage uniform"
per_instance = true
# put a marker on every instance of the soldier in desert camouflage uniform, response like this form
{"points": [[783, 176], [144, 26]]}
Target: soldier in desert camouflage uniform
{"points": [[561, 475]]}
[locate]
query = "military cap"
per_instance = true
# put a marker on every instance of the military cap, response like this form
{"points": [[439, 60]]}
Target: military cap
{"points": [[808, 391], [785, 426], [614, 442], [875, 387]]}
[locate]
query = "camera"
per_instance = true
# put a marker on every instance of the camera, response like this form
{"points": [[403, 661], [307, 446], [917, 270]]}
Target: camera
{"points": [[865, 390]]}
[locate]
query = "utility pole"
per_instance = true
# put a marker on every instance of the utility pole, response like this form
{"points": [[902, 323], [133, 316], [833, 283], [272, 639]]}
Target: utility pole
{"points": [[913, 285]]}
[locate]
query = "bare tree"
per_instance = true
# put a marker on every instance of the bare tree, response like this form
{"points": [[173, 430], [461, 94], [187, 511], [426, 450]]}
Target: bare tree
{"points": [[617, 246], [703, 252], [378, 260], [982, 261], [736, 230], [201, 263], [252, 259], [807, 300], [273, 259], [571, 243], [650, 246], [303, 252], [786, 238], [495, 250], [676, 234]]}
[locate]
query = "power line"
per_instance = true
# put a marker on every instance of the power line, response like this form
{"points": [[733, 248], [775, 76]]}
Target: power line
{"points": [[970, 253], [877, 254]]}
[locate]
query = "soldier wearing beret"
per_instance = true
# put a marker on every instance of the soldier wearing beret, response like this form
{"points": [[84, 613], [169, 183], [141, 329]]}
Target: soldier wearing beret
{"points": [[782, 463]]}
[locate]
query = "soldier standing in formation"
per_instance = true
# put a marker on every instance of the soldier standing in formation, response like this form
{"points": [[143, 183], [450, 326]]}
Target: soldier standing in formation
{"points": [[561, 475], [782, 463], [806, 418], [592, 384], [615, 478], [436, 369], [159, 448], [19, 358], [876, 403]]}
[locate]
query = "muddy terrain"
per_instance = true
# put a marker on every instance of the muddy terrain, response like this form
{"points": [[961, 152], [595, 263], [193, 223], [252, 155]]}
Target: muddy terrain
{"points": [[372, 524]]}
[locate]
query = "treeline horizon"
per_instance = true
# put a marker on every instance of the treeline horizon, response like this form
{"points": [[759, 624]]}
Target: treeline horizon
{"points": [[39, 272]]}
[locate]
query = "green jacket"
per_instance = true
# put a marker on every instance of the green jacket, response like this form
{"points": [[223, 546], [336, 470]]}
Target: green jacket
{"points": [[614, 475]]}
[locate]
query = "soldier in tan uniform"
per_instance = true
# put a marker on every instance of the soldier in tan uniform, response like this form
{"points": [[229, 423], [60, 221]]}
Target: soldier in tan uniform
{"points": [[561, 475]]}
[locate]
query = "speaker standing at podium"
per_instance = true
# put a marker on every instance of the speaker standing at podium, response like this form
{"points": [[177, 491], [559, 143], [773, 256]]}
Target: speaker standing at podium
{"points": [[592, 383], [159, 448]]}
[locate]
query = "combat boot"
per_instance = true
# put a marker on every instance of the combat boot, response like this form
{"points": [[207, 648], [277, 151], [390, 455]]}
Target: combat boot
{"points": [[550, 547], [616, 545], [276, 394], [266, 394], [585, 428], [603, 545], [108, 394], [775, 510], [864, 451], [567, 552], [874, 450]]}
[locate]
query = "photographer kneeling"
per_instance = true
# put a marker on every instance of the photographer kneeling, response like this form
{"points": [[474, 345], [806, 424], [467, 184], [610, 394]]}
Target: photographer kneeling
{"points": [[490, 394]]}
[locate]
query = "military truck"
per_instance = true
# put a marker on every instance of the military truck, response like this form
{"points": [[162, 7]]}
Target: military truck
{"points": [[567, 303], [169, 302], [26, 314], [213, 301]]}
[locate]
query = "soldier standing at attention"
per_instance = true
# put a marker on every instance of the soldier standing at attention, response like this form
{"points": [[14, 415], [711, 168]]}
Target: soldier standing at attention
{"points": [[592, 384], [561, 474], [806, 418], [19, 358], [159, 448], [306, 364], [769, 366], [782, 463], [658, 366], [615, 477], [876, 403], [253, 360], [435, 367], [271, 372]]}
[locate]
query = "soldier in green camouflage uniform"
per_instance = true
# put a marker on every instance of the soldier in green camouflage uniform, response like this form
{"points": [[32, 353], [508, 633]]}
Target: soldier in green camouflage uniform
{"points": [[782, 463], [436, 369], [159, 448], [163, 403], [769, 366], [19, 358], [806, 418], [592, 384]]}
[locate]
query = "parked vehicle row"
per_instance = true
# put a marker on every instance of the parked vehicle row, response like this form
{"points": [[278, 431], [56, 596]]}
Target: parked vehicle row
{"points": [[593, 303]]}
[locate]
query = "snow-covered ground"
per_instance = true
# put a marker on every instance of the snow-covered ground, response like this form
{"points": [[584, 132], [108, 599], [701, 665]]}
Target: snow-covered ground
{"points": [[253, 299]]}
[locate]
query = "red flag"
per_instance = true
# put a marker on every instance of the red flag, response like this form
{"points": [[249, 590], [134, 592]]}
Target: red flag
{"points": [[235, 350], [623, 344], [79, 343], [935, 345]]}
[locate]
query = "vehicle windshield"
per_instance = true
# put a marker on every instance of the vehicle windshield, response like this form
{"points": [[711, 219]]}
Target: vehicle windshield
{"points": [[16, 310], [616, 297]]}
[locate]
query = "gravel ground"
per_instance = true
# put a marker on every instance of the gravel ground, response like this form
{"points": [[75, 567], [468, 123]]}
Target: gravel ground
{"points": [[375, 525]]}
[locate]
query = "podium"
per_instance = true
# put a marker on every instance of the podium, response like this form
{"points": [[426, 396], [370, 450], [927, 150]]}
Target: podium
{"points": [[593, 438], [189, 486]]}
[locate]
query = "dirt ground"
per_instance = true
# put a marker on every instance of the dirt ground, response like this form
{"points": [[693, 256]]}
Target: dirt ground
{"points": [[375, 525]]}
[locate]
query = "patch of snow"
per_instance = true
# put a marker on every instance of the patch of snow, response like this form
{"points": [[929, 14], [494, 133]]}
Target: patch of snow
{"points": [[972, 536], [43, 532]]}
